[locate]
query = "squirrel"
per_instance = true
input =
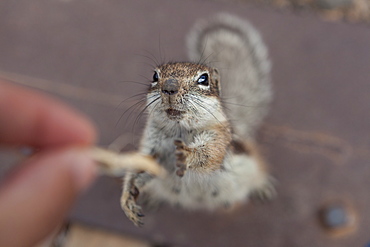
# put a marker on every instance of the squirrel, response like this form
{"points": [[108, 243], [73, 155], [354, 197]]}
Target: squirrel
{"points": [[201, 133]]}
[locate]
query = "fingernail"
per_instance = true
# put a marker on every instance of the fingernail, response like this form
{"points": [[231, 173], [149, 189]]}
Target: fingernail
{"points": [[83, 168]]}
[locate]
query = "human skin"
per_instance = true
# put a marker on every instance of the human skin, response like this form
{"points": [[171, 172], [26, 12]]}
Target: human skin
{"points": [[37, 194]]}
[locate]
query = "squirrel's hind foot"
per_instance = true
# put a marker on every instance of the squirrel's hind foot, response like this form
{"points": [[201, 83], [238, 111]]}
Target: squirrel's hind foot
{"points": [[266, 192]]}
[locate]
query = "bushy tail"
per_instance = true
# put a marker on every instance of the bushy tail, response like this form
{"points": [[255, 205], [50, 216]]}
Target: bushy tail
{"points": [[236, 48]]}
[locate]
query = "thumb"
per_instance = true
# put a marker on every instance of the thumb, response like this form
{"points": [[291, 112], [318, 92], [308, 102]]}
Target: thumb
{"points": [[35, 198]]}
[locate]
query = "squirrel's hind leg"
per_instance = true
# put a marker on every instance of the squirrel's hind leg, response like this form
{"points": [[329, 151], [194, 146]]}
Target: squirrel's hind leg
{"points": [[252, 171]]}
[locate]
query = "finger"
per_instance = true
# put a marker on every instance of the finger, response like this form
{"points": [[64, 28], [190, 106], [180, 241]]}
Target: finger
{"points": [[178, 143], [180, 156], [31, 118], [36, 197], [180, 172]]}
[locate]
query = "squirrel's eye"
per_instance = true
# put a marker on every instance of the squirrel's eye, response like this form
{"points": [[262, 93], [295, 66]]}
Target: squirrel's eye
{"points": [[203, 80], [155, 77]]}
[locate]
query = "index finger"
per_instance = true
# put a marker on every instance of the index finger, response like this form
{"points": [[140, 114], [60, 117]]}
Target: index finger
{"points": [[31, 118]]}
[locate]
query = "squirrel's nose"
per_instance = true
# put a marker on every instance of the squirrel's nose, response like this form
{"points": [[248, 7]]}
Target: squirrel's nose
{"points": [[170, 87]]}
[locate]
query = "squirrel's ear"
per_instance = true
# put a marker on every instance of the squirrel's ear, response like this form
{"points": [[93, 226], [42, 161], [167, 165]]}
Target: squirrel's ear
{"points": [[216, 80]]}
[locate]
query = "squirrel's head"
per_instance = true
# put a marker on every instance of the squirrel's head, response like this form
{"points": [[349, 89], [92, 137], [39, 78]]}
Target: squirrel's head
{"points": [[184, 89]]}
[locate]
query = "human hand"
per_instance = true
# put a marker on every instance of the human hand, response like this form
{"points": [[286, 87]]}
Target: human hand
{"points": [[36, 196]]}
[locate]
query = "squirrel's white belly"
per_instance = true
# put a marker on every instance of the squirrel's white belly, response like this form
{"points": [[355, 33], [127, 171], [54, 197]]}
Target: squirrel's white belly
{"points": [[211, 191]]}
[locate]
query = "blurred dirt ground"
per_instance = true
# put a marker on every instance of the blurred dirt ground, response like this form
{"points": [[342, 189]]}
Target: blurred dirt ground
{"points": [[354, 11]]}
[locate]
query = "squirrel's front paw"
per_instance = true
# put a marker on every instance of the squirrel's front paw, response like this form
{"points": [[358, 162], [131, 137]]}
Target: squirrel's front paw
{"points": [[131, 209], [181, 154]]}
